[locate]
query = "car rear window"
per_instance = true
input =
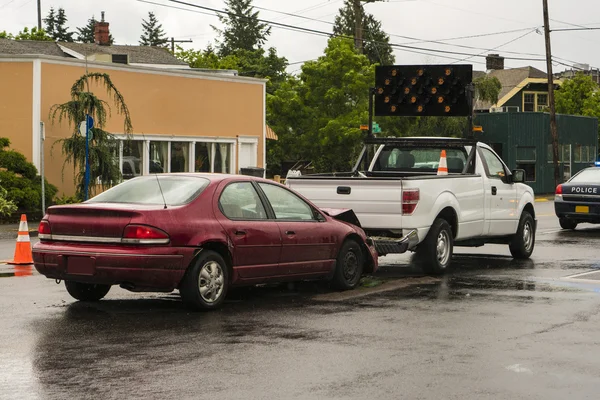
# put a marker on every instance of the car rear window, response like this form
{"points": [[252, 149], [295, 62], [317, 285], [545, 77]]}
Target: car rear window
{"points": [[394, 158], [587, 176], [177, 190]]}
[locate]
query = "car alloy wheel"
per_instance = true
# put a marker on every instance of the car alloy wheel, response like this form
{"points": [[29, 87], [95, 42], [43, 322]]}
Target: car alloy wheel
{"points": [[210, 281]]}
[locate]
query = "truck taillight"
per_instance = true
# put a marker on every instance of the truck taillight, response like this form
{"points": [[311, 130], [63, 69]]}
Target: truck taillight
{"points": [[143, 234], [410, 199]]}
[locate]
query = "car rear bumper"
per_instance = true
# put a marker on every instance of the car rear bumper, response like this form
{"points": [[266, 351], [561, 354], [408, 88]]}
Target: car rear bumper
{"points": [[135, 268], [584, 212]]}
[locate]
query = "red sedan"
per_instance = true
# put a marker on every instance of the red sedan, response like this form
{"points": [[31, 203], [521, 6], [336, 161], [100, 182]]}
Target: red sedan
{"points": [[201, 234]]}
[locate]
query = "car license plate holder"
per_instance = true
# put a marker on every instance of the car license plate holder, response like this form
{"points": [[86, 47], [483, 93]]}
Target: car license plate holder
{"points": [[582, 209], [81, 265]]}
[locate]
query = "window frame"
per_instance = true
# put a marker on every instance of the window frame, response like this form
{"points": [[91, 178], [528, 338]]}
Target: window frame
{"points": [[535, 95], [317, 215], [487, 168], [266, 209]]}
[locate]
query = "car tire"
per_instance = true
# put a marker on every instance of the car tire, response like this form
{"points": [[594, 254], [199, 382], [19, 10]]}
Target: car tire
{"points": [[86, 291], [523, 243], [566, 223], [349, 266], [206, 282], [434, 254]]}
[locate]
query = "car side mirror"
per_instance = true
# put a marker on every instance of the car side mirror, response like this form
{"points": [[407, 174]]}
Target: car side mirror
{"points": [[518, 176]]}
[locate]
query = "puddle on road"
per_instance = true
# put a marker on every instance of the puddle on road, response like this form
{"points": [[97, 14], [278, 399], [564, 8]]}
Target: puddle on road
{"points": [[18, 271]]}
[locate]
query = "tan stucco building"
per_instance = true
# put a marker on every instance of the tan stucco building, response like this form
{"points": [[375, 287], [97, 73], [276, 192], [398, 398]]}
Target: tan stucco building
{"points": [[183, 119]]}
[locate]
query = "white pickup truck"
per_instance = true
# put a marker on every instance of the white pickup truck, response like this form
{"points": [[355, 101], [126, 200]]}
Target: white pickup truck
{"points": [[403, 204]]}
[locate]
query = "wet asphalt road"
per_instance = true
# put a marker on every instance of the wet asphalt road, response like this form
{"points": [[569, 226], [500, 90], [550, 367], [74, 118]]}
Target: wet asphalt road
{"points": [[496, 328]]}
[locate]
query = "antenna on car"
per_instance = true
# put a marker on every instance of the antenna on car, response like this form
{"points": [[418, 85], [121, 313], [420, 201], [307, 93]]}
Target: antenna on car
{"points": [[161, 192]]}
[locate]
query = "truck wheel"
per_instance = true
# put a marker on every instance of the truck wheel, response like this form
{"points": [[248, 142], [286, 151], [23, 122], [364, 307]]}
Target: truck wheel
{"points": [[522, 244], [86, 291], [205, 284], [349, 266], [434, 254], [566, 223]]}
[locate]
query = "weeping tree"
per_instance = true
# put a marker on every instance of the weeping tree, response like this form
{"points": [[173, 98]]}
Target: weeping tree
{"points": [[103, 147]]}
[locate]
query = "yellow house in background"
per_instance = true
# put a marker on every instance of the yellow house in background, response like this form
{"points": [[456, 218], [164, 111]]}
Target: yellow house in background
{"points": [[184, 120]]}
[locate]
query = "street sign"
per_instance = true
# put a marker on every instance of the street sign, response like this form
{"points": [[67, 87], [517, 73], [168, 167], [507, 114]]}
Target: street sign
{"points": [[376, 128], [364, 127], [85, 126], [423, 90]]}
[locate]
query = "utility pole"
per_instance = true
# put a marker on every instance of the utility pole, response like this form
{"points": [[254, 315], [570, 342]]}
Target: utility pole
{"points": [[553, 129], [173, 41], [358, 30], [39, 7]]}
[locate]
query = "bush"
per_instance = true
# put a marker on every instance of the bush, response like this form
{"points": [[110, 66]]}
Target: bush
{"points": [[19, 178], [66, 200], [7, 207]]}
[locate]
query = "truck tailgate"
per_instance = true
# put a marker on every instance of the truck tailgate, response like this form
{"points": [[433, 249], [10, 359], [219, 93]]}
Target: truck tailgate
{"points": [[376, 202]]}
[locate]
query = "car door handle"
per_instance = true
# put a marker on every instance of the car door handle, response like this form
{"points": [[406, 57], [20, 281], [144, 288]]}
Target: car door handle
{"points": [[290, 233], [494, 190], [240, 232], [344, 190]]}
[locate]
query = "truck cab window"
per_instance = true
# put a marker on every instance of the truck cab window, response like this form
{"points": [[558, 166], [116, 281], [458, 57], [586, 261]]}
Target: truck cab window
{"points": [[493, 165]]}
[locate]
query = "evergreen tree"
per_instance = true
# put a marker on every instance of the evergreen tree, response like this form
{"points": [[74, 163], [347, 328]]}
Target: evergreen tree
{"points": [[61, 33], [50, 22], [376, 43], [153, 34], [85, 34], [242, 29]]}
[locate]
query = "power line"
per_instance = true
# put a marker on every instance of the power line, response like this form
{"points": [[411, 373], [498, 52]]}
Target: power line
{"points": [[576, 29], [329, 34], [504, 44]]}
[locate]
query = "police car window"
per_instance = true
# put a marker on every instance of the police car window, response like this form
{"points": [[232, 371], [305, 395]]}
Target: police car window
{"points": [[587, 176]]}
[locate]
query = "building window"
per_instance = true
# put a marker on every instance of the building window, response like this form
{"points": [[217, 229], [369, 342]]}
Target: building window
{"points": [[222, 157], [528, 101], [533, 101], [584, 154], [159, 153], [132, 160], [202, 162], [180, 153], [526, 160]]}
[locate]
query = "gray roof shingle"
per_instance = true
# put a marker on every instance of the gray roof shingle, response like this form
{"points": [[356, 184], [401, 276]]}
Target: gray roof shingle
{"points": [[136, 54], [511, 78]]}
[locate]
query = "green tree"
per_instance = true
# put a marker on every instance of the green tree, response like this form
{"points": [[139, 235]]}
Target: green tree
{"points": [[317, 116], [61, 32], [85, 34], [33, 34], [50, 22], [6, 35], [578, 96], [103, 145], [152, 32], [19, 178], [242, 29], [252, 63], [376, 42]]}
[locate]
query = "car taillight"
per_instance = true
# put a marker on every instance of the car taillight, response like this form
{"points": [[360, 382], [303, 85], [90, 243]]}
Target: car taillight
{"points": [[44, 231], [143, 234], [410, 199], [559, 190]]}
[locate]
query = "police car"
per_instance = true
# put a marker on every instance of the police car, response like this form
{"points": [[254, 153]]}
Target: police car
{"points": [[578, 200]]}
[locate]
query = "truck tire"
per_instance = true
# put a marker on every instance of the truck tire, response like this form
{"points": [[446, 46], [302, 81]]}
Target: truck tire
{"points": [[566, 223], [523, 243], [434, 254], [349, 266]]}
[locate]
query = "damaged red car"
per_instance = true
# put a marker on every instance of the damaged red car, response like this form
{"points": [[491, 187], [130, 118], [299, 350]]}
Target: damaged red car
{"points": [[200, 234]]}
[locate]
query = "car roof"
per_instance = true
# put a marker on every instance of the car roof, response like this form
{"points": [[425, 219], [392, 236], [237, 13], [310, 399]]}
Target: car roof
{"points": [[215, 177]]}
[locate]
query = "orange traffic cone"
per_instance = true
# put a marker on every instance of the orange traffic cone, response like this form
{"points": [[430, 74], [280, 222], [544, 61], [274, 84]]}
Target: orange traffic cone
{"points": [[23, 254], [443, 165]]}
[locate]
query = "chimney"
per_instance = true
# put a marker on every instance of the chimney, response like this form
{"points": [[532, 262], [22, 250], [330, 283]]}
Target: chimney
{"points": [[101, 32], [494, 61]]}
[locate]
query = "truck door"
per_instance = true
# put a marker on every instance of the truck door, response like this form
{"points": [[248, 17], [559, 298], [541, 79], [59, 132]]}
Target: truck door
{"points": [[500, 196]]}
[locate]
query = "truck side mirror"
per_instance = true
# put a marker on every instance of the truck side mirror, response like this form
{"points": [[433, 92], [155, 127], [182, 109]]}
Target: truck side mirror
{"points": [[518, 176]]}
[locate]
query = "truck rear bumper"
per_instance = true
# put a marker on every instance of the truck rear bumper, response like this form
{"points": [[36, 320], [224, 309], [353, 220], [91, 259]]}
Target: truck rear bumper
{"points": [[391, 246]]}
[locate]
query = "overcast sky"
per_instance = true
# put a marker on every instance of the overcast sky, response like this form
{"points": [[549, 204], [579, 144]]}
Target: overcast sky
{"points": [[406, 21]]}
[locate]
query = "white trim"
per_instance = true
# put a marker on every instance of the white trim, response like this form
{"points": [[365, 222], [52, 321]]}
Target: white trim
{"points": [[247, 140], [191, 73], [192, 157], [72, 53], [168, 166], [36, 109], [174, 138], [213, 153], [161, 66], [264, 144]]}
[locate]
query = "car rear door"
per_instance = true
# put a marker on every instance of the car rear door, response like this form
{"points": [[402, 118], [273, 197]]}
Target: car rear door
{"points": [[256, 239], [308, 245]]}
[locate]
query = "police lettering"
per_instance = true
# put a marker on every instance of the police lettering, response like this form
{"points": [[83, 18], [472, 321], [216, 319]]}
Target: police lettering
{"points": [[584, 190]]}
